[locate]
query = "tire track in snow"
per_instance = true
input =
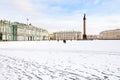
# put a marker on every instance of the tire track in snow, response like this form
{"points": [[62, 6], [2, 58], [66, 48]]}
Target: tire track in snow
{"points": [[16, 69]]}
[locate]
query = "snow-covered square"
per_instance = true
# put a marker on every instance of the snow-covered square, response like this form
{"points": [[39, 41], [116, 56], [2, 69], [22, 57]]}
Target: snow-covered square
{"points": [[55, 60]]}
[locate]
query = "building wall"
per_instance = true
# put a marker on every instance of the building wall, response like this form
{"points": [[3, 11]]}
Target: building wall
{"points": [[92, 37], [110, 35], [6, 30], [71, 35], [21, 32]]}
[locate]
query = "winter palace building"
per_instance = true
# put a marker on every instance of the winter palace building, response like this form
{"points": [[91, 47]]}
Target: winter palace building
{"points": [[16, 31]]}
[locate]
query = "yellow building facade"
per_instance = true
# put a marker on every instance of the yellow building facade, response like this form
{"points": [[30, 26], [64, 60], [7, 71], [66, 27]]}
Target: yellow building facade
{"points": [[68, 35], [110, 35]]}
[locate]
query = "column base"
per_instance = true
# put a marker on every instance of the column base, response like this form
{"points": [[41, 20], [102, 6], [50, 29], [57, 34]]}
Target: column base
{"points": [[84, 37]]}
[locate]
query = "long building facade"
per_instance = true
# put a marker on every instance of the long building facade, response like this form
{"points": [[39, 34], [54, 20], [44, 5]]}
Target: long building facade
{"points": [[68, 35], [110, 35], [16, 31]]}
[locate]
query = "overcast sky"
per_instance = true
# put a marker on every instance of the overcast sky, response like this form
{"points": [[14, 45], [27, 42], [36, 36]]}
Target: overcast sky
{"points": [[64, 15]]}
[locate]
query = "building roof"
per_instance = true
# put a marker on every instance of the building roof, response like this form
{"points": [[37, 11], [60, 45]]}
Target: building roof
{"points": [[110, 30]]}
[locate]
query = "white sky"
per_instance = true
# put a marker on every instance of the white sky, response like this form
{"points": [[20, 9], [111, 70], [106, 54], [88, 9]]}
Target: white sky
{"points": [[62, 15]]}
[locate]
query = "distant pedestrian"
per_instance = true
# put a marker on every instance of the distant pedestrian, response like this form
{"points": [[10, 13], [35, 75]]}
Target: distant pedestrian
{"points": [[64, 41]]}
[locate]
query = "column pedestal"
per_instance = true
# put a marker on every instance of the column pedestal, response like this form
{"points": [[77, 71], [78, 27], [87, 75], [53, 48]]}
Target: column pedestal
{"points": [[84, 37]]}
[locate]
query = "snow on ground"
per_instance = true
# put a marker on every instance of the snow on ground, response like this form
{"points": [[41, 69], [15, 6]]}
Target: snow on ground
{"points": [[52, 60]]}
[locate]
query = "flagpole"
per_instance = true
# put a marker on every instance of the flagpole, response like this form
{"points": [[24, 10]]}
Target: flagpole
{"points": [[28, 28]]}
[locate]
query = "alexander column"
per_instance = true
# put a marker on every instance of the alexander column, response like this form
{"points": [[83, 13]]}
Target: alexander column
{"points": [[84, 28]]}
